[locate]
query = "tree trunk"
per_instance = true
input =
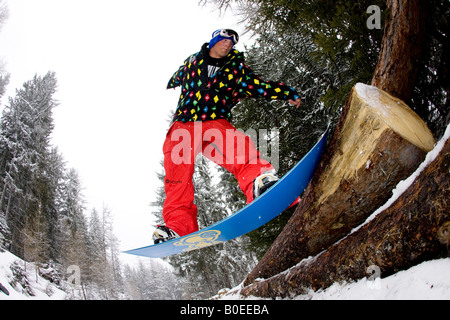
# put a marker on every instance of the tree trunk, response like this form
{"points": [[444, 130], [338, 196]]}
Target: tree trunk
{"points": [[378, 142], [415, 228], [401, 48]]}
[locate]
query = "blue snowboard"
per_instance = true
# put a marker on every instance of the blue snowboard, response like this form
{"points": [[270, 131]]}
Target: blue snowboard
{"points": [[263, 209]]}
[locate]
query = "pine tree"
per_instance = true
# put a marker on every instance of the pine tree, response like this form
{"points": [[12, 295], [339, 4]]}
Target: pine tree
{"points": [[4, 80], [26, 125], [102, 249], [46, 191], [35, 241], [71, 205], [72, 232], [97, 252]]}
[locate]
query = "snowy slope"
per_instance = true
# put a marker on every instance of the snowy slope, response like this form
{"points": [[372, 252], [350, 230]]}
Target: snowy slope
{"points": [[427, 281], [30, 287]]}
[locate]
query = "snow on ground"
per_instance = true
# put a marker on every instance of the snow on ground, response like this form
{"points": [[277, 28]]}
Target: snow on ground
{"points": [[427, 281], [30, 287]]}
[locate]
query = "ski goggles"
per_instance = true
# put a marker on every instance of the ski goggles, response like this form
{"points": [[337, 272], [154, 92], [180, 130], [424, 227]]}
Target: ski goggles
{"points": [[227, 33]]}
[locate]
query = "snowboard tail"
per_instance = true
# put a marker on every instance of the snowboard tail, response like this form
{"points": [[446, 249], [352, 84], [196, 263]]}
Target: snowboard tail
{"points": [[282, 195]]}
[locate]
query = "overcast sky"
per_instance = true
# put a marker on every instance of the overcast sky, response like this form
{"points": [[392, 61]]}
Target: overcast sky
{"points": [[113, 59]]}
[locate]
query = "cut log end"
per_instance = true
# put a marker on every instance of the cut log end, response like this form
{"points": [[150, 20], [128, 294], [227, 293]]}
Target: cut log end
{"points": [[396, 114], [373, 116]]}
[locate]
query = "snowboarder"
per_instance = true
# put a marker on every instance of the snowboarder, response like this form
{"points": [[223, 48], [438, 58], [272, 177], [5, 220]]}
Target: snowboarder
{"points": [[212, 82]]}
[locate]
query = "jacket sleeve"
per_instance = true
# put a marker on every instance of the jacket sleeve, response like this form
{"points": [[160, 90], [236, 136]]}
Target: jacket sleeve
{"points": [[177, 77], [180, 75], [252, 85]]}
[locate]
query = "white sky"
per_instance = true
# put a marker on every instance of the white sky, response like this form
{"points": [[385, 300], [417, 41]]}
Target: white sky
{"points": [[113, 59]]}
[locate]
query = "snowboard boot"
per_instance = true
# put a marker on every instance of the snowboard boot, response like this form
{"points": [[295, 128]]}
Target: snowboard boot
{"points": [[263, 183], [163, 234]]}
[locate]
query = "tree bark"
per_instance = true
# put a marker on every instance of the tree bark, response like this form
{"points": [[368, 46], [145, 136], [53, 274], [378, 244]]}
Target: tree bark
{"points": [[401, 47], [415, 228], [378, 142]]}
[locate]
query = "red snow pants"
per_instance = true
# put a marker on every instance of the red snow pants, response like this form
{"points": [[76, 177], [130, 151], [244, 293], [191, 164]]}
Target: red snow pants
{"points": [[220, 142]]}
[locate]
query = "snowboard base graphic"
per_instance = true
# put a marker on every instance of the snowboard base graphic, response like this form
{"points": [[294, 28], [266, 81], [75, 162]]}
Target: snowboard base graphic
{"points": [[263, 209]]}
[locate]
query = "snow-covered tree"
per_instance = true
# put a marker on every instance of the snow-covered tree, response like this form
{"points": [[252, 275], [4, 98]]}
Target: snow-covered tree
{"points": [[152, 280], [26, 125]]}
